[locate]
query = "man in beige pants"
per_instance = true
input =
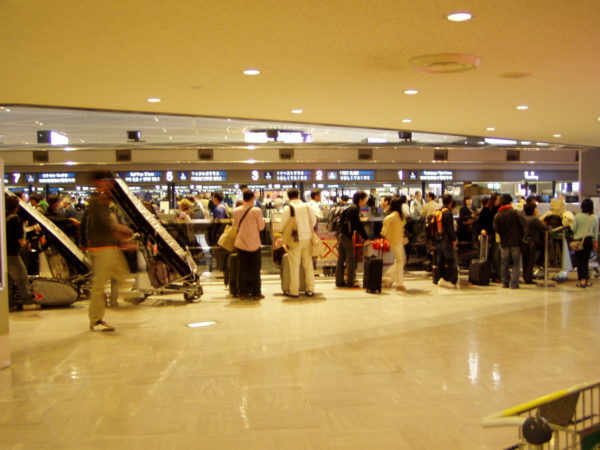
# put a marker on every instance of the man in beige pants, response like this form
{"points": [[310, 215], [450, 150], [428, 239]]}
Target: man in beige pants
{"points": [[301, 255], [103, 233]]}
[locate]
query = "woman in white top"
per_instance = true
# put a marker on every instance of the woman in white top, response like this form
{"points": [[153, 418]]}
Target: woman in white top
{"points": [[393, 231], [585, 229]]}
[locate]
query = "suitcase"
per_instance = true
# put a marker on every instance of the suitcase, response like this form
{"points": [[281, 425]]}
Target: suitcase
{"points": [[480, 269], [373, 273], [232, 274], [54, 292], [285, 276]]}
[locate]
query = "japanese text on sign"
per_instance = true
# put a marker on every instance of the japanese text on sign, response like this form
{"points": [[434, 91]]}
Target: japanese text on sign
{"points": [[437, 175], [57, 177], [293, 175], [208, 175], [357, 175]]}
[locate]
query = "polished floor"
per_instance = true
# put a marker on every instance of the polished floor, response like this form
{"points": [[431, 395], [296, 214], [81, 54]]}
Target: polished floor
{"points": [[345, 370]]}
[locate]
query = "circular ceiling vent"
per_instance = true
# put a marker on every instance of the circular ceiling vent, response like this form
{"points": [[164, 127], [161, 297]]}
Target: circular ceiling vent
{"points": [[444, 63]]}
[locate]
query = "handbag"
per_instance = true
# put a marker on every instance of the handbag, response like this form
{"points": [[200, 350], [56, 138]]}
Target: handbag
{"points": [[577, 245], [290, 232], [227, 239], [278, 255]]}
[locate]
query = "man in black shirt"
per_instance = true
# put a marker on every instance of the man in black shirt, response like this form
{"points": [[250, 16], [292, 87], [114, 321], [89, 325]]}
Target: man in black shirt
{"points": [[351, 223], [447, 260], [533, 240], [510, 225], [15, 241]]}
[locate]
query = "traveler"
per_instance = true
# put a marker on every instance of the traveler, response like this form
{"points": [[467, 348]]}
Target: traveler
{"points": [[197, 210], [446, 257], [466, 219], [17, 273], [219, 214], [103, 233], [384, 204], [393, 231], [510, 225], [351, 224], [38, 203], [485, 225], [300, 256], [416, 206], [185, 211], [533, 240], [315, 199], [585, 229], [430, 206], [248, 246]]}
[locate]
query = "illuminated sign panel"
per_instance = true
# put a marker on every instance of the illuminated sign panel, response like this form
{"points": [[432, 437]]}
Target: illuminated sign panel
{"points": [[357, 175], [437, 175], [268, 175], [531, 175], [293, 175], [143, 177], [30, 178], [56, 178], [208, 175]]}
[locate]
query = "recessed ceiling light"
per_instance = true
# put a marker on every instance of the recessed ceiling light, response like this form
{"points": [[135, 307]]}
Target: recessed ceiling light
{"points": [[251, 147], [297, 111], [70, 163], [251, 72], [461, 16], [201, 324], [153, 100], [411, 92], [407, 120], [598, 118], [557, 135], [490, 129], [522, 107], [525, 142]]}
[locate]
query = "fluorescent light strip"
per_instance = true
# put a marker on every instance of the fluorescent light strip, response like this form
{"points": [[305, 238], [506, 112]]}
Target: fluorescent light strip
{"points": [[201, 324]]}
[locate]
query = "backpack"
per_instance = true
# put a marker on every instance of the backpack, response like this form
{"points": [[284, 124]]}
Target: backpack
{"points": [[435, 226], [337, 218]]}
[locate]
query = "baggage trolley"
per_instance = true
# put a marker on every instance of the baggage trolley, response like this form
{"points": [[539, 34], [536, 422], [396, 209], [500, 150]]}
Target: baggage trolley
{"points": [[565, 419]]}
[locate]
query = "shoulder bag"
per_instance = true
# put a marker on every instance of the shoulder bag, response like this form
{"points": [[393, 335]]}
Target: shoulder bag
{"points": [[227, 239], [290, 232]]}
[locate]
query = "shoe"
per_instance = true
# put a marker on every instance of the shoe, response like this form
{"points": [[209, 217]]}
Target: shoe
{"points": [[505, 286], [309, 293], [401, 288], [514, 287], [101, 325], [530, 282], [354, 286], [289, 294], [257, 297]]}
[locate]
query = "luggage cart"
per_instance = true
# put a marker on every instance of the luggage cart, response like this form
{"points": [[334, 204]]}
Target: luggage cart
{"points": [[66, 262], [171, 268], [565, 419]]}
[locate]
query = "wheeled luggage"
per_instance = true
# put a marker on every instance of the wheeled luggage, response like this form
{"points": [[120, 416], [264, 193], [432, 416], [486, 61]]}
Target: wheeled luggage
{"points": [[373, 274], [285, 275], [54, 292], [480, 269]]}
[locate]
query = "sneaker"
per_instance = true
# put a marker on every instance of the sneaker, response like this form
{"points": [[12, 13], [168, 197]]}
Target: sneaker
{"points": [[101, 325]]}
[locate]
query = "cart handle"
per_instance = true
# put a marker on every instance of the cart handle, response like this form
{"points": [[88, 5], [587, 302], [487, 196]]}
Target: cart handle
{"points": [[509, 417]]}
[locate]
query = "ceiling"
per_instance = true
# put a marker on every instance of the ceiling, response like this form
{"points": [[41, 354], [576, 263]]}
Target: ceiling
{"points": [[343, 62]]}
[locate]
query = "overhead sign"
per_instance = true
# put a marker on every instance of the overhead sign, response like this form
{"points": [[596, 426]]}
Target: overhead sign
{"points": [[357, 175], [56, 178], [143, 177], [530, 175], [200, 176], [437, 175], [268, 175], [293, 175]]}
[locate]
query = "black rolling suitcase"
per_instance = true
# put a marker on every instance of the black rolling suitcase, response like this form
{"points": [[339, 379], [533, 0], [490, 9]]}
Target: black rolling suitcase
{"points": [[373, 273], [480, 269]]}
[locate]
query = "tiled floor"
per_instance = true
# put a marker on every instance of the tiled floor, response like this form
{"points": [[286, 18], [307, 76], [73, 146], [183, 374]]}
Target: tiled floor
{"points": [[346, 370]]}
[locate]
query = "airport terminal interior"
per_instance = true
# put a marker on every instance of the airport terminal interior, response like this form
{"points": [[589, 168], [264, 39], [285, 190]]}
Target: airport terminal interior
{"points": [[171, 110]]}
